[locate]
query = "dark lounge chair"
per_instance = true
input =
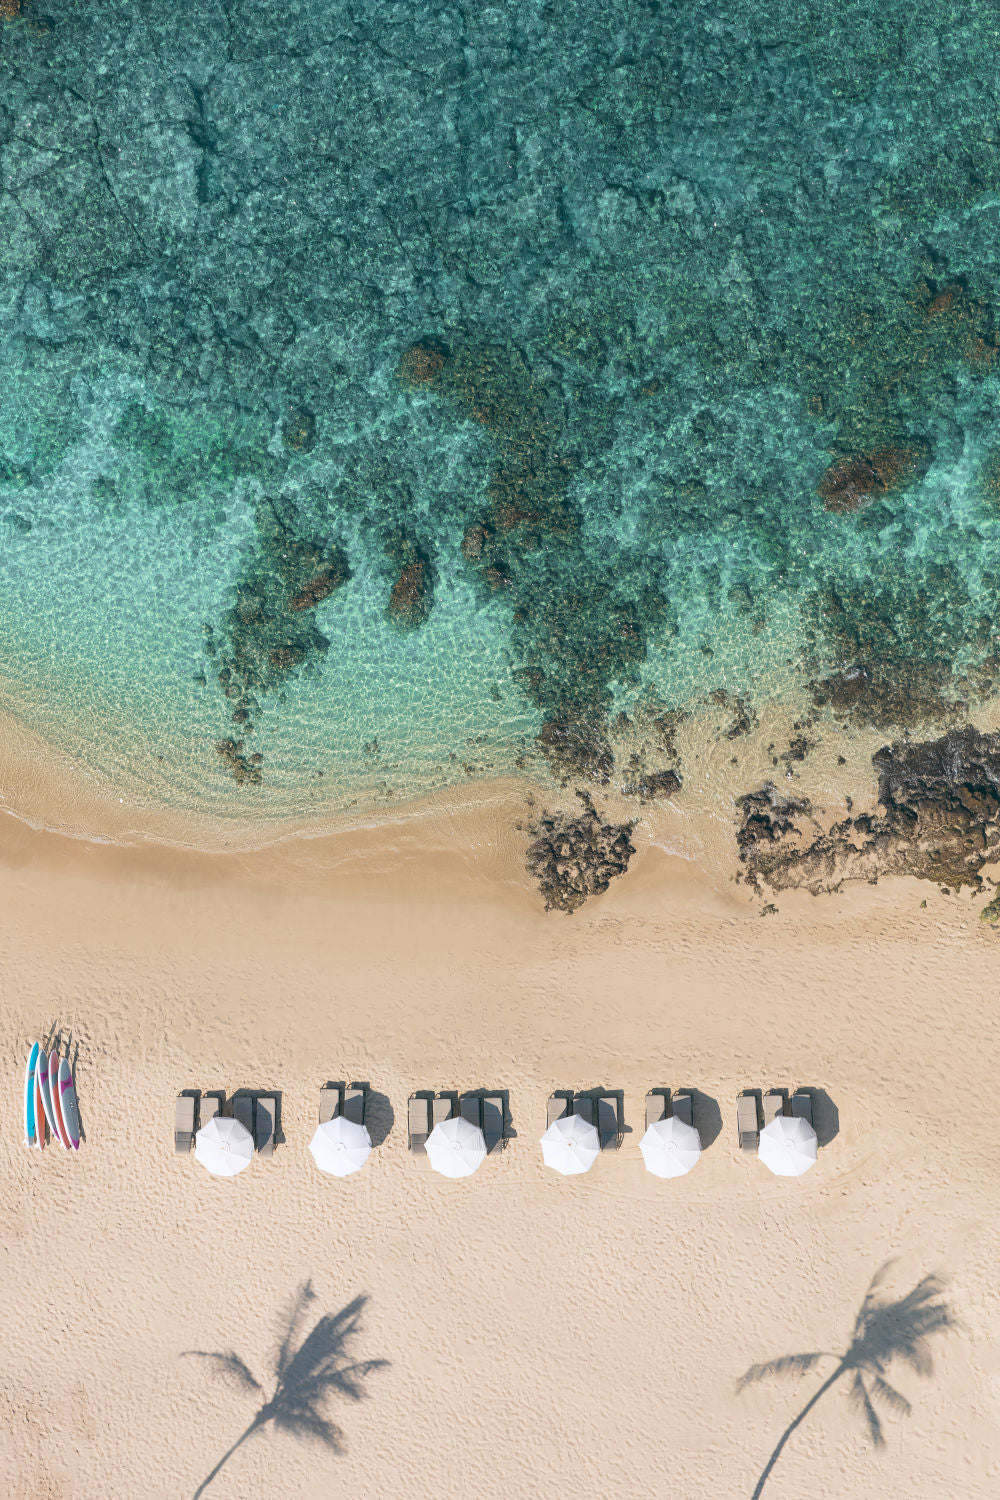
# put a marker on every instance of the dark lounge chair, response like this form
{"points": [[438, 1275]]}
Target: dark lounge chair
{"points": [[184, 1123], [265, 1122], [747, 1122], [419, 1122]]}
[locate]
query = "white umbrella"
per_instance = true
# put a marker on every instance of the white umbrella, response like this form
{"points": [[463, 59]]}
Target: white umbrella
{"points": [[670, 1148], [340, 1146], [571, 1144], [223, 1146], [456, 1147], [788, 1146]]}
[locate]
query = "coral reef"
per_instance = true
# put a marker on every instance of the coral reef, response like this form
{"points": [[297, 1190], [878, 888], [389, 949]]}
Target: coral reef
{"points": [[270, 632], [574, 857]]}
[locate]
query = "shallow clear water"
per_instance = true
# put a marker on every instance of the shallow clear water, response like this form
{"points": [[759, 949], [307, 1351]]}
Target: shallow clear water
{"points": [[430, 388]]}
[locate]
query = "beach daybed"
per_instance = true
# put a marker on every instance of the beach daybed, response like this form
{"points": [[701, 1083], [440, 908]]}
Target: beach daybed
{"points": [[747, 1122], [184, 1123], [600, 1110], [210, 1105]]}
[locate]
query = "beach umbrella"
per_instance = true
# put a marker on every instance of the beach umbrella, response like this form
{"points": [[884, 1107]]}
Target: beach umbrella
{"points": [[223, 1146], [670, 1148], [571, 1145], [788, 1146], [340, 1146], [456, 1147]]}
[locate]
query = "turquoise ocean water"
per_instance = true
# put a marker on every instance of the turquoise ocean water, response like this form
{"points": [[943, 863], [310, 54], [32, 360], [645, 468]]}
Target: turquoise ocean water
{"points": [[396, 395]]}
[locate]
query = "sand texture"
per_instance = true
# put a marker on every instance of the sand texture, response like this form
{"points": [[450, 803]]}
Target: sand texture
{"points": [[542, 1335]]}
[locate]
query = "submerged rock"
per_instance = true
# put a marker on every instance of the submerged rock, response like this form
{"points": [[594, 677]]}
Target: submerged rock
{"points": [[244, 769], [412, 593], [573, 858], [298, 430], [855, 480]]}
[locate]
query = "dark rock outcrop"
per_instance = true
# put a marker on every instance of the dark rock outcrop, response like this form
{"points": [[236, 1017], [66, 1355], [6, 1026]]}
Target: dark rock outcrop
{"points": [[938, 819], [573, 858]]}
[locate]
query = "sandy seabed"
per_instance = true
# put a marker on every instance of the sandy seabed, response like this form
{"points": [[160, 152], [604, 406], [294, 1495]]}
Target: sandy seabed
{"points": [[542, 1335]]}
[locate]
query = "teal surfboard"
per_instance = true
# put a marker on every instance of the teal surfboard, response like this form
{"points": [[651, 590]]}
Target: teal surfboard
{"points": [[29, 1097]]}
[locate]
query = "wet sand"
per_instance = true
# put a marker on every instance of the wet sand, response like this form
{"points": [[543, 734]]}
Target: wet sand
{"points": [[542, 1334]]}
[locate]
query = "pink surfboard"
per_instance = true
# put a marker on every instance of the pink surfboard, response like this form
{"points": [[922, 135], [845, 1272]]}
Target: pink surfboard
{"points": [[68, 1107], [56, 1122], [39, 1107]]}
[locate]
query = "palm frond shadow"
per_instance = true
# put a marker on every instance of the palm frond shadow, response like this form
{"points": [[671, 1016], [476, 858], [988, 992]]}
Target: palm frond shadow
{"points": [[309, 1370], [886, 1331]]}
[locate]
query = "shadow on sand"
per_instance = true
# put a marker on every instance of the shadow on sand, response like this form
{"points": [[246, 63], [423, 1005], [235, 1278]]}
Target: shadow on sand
{"points": [[308, 1372], [886, 1330]]}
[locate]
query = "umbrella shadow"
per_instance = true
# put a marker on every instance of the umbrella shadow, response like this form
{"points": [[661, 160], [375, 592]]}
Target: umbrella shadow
{"points": [[825, 1114], [706, 1116], [309, 1371], [380, 1116]]}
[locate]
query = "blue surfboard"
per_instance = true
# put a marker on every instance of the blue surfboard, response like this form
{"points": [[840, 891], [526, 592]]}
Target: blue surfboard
{"points": [[29, 1097]]}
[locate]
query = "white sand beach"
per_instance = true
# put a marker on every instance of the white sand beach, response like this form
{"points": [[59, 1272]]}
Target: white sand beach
{"points": [[542, 1335]]}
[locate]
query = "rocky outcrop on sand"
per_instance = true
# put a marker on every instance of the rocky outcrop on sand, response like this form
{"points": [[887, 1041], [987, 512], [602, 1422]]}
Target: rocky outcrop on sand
{"points": [[938, 818], [575, 857]]}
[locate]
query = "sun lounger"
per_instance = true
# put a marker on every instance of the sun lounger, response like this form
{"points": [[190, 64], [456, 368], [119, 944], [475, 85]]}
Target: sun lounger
{"points": [[354, 1105], [470, 1108], [493, 1122], [682, 1108], [607, 1122], [330, 1096], [243, 1111], [656, 1107], [774, 1105], [265, 1119], [558, 1107], [442, 1109], [583, 1106], [802, 1106], [747, 1124], [209, 1107], [419, 1121], [184, 1123]]}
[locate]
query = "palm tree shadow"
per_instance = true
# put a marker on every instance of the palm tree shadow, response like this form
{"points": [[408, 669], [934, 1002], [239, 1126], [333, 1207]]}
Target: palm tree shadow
{"points": [[886, 1330], [308, 1372]]}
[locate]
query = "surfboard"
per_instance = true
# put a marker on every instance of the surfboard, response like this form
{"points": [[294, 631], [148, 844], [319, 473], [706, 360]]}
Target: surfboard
{"points": [[39, 1107], [29, 1097], [67, 1104], [56, 1119], [43, 1078]]}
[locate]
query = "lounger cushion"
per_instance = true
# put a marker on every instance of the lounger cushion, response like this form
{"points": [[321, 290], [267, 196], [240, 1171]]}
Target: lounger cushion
{"points": [[329, 1103], [354, 1106], [558, 1106], [418, 1118], [656, 1108]]}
